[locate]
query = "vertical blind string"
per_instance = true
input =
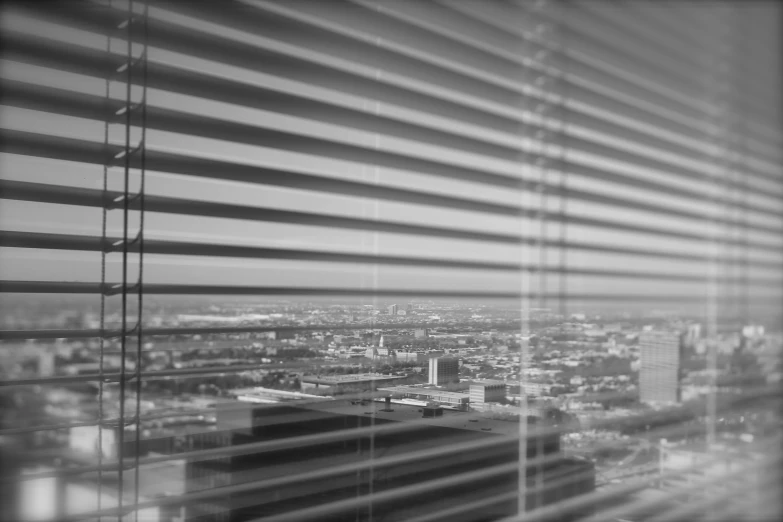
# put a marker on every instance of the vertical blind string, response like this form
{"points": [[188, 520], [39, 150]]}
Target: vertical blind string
{"points": [[104, 242], [124, 319], [140, 286]]}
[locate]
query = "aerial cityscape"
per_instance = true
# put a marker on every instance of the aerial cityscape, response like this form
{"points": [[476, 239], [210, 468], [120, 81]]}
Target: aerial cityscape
{"points": [[625, 395]]}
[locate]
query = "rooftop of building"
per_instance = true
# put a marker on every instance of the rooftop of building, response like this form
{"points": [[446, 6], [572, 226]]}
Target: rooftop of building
{"points": [[487, 382], [302, 411], [261, 394], [347, 378], [424, 391], [471, 421]]}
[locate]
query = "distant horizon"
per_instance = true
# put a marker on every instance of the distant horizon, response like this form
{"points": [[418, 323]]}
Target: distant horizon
{"points": [[633, 311]]}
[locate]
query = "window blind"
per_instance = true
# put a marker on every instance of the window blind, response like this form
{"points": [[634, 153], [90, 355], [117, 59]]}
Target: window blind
{"points": [[193, 182]]}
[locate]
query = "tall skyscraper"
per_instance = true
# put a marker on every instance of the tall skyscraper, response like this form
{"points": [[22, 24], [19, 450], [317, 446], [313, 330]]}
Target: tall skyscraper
{"points": [[692, 335], [443, 370], [659, 371], [393, 309]]}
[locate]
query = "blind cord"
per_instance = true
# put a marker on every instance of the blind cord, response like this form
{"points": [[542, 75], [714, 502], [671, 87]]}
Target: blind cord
{"points": [[104, 243], [140, 238], [124, 290]]}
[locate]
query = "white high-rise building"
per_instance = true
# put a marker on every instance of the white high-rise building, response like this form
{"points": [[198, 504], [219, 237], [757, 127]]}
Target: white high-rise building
{"points": [[659, 367], [444, 370]]}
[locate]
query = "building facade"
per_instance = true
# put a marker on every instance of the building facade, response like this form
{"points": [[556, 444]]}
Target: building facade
{"points": [[443, 370], [276, 477], [411, 357], [454, 400], [487, 391], [659, 367], [348, 382], [536, 388]]}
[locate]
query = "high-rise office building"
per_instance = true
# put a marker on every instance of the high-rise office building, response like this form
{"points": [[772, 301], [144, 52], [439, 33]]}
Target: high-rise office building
{"points": [[275, 477], [444, 370], [692, 335], [392, 309], [659, 369], [421, 333]]}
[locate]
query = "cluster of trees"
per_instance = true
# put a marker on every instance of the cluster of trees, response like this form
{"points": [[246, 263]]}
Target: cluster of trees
{"points": [[557, 417], [689, 417], [744, 363], [362, 368], [246, 352], [221, 384], [611, 366], [550, 415], [618, 401], [342, 370], [604, 454], [397, 366], [21, 408], [76, 356]]}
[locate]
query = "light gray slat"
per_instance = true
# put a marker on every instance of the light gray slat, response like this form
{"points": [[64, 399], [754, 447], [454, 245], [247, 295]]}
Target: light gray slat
{"points": [[366, 18], [630, 51], [362, 51], [60, 148], [272, 62], [685, 34], [39, 192], [686, 127], [164, 247], [21, 94], [629, 27]]}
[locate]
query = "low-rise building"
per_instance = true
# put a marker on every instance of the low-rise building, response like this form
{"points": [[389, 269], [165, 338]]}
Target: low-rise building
{"points": [[456, 400], [484, 391], [536, 388], [351, 381]]}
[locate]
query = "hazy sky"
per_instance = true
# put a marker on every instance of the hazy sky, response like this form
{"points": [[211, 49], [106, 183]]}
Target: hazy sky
{"points": [[72, 266]]}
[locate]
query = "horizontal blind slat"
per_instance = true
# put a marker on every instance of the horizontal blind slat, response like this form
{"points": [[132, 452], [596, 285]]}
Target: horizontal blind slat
{"points": [[57, 287], [153, 246], [95, 198], [27, 143], [374, 88]]}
